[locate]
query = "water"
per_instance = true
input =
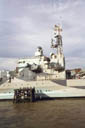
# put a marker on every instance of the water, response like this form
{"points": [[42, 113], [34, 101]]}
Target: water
{"points": [[43, 114]]}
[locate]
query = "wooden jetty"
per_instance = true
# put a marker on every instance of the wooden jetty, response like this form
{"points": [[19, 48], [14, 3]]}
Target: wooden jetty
{"points": [[24, 95]]}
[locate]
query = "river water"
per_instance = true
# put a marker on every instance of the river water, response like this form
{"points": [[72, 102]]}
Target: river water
{"points": [[62, 113]]}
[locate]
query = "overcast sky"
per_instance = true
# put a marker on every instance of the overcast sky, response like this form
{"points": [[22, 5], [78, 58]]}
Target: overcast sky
{"points": [[26, 24]]}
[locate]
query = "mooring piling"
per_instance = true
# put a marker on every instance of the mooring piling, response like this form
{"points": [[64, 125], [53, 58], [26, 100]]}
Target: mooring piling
{"points": [[24, 95]]}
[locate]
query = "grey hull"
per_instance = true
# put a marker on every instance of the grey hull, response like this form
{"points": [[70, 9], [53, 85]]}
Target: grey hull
{"points": [[68, 93]]}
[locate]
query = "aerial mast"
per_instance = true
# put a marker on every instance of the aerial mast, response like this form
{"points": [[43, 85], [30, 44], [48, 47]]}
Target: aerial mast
{"points": [[56, 41]]}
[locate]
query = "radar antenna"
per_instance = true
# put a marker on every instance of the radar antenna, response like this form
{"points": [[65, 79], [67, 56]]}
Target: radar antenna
{"points": [[57, 29]]}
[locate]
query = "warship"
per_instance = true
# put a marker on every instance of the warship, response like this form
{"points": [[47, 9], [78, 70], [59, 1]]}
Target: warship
{"points": [[46, 75], [42, 67]]}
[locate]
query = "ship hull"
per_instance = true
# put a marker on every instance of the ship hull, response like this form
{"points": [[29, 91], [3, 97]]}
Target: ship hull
{"points": [[66, 93]]}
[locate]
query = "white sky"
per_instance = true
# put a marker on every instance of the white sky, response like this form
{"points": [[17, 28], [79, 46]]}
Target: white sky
{"points": [[26, 24]]}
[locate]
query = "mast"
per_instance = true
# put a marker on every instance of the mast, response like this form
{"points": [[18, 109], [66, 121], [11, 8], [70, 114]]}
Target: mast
{"points": [[56, 42]]}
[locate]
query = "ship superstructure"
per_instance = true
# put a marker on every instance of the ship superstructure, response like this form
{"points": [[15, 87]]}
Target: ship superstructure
{"points": [[45, 75], [42, 67]]}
